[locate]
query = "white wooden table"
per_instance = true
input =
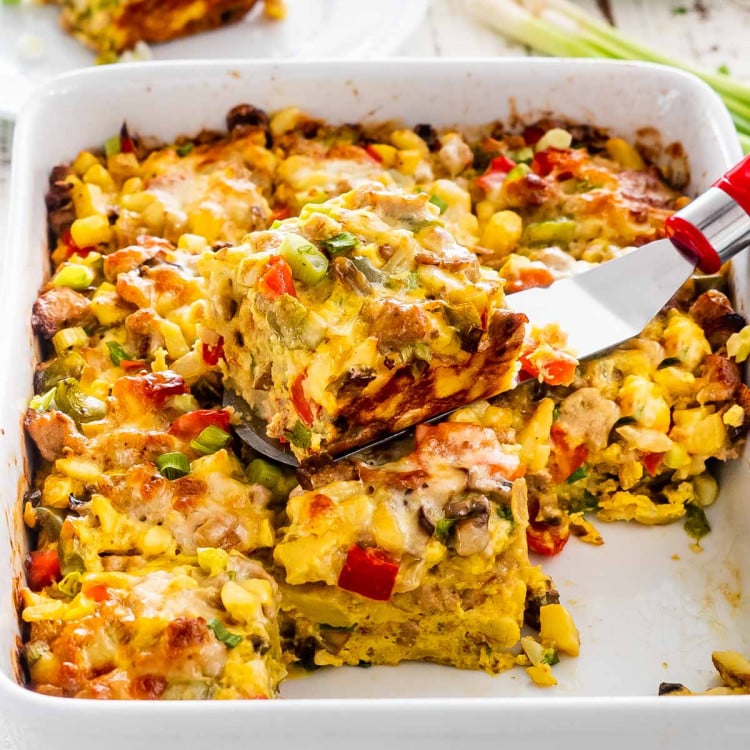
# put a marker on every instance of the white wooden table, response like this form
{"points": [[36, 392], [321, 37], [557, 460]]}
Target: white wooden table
{"points": [[712, 33]]}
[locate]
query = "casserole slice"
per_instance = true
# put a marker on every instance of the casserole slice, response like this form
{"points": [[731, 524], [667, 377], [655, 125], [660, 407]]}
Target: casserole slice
{"points": [[112, 27], [360, 317], [420, 558]]}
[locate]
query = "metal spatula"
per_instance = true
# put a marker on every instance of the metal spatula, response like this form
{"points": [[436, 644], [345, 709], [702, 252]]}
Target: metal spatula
{"points": [[611, 303]]}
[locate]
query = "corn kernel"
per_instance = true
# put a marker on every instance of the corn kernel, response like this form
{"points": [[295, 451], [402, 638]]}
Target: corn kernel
{"points": [[738, 345], [122, 166], [132, 185], [88, 200], [98, 175], [285, 120], [734, 416], [154, 217], [408, 161], [173, 339], [624, 154], [156, 541], [92, 230], [84, 161], [558, 629], [408, 140], [484, 210], [193, 243], [386, 153], [242, 604], [503, 232], [205, 223], [137, 201]]}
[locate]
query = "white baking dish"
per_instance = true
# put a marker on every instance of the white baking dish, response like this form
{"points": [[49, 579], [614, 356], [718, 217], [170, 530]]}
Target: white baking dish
{"points": [[649, 609]]}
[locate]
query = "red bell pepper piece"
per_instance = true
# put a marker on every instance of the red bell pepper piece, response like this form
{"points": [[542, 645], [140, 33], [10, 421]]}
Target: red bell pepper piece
{"points": [[300, 403], [188, 426], [528, 278], [370, 572], [557, 369], [495, 172], [373, 154], [72, 248], [546, 539], [212, 353], [276, 279], [565, 460], [282, 212], [133, 364], [43, 568], [98, 592], [651, 462], [159, 386]]}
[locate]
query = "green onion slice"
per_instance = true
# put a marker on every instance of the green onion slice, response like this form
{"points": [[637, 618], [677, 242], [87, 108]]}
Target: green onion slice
{"points": [[173, 465], [210, 440], [436, 200], [308, 264], [184, 149], [74, 276], [340, 244], [113, 145], [264, 473], [229, 639]]}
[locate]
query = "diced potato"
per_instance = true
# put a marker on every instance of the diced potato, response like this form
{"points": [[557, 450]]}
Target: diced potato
{"points": [[685, 340], [701, 434], [642, 399], [503, 232], [706, 489], [98, 175], [93, 230], [82, 469], [285, 120], [88, 200], [558, 629], [650, 441], [156, 541]]}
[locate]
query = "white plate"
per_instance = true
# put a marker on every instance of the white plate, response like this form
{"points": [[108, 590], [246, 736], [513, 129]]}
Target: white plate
{"points": [[649, 609], [34, 49]]}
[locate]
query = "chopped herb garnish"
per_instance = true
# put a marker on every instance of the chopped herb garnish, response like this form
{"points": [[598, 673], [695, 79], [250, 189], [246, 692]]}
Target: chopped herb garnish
{"points": [[444, 527], [340, 628], [173, 465], [550, 657], [679, 10], [555, 412], [116, 353], [505, 512], [723, 69], [577, 475], [340, 244], [229, 639], [696, 523], [184, 149], [300, 436], [584, 504], [442, 204], [669, 362]]}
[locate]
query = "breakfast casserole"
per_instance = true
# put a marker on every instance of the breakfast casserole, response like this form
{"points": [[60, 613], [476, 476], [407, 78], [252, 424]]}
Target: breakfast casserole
{"points": [[340, 276], [112, 26]]}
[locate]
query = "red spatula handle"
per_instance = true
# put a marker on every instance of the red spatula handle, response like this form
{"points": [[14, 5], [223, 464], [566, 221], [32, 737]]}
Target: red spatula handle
{"points": [[716, 225]]}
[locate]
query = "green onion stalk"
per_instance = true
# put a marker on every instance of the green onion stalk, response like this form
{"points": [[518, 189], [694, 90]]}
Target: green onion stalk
{"points": [[562, 29]]}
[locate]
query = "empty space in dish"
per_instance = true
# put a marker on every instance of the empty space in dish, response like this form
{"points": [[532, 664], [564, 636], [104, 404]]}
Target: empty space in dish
{"points": [[648, 607]]}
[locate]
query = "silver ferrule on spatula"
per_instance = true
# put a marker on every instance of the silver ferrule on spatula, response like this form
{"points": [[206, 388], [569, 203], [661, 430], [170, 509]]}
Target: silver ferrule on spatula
{"points": [[716, 225]]}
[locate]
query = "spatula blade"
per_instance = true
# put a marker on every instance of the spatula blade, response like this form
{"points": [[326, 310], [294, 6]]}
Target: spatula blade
{"points": [[603, 307]]}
